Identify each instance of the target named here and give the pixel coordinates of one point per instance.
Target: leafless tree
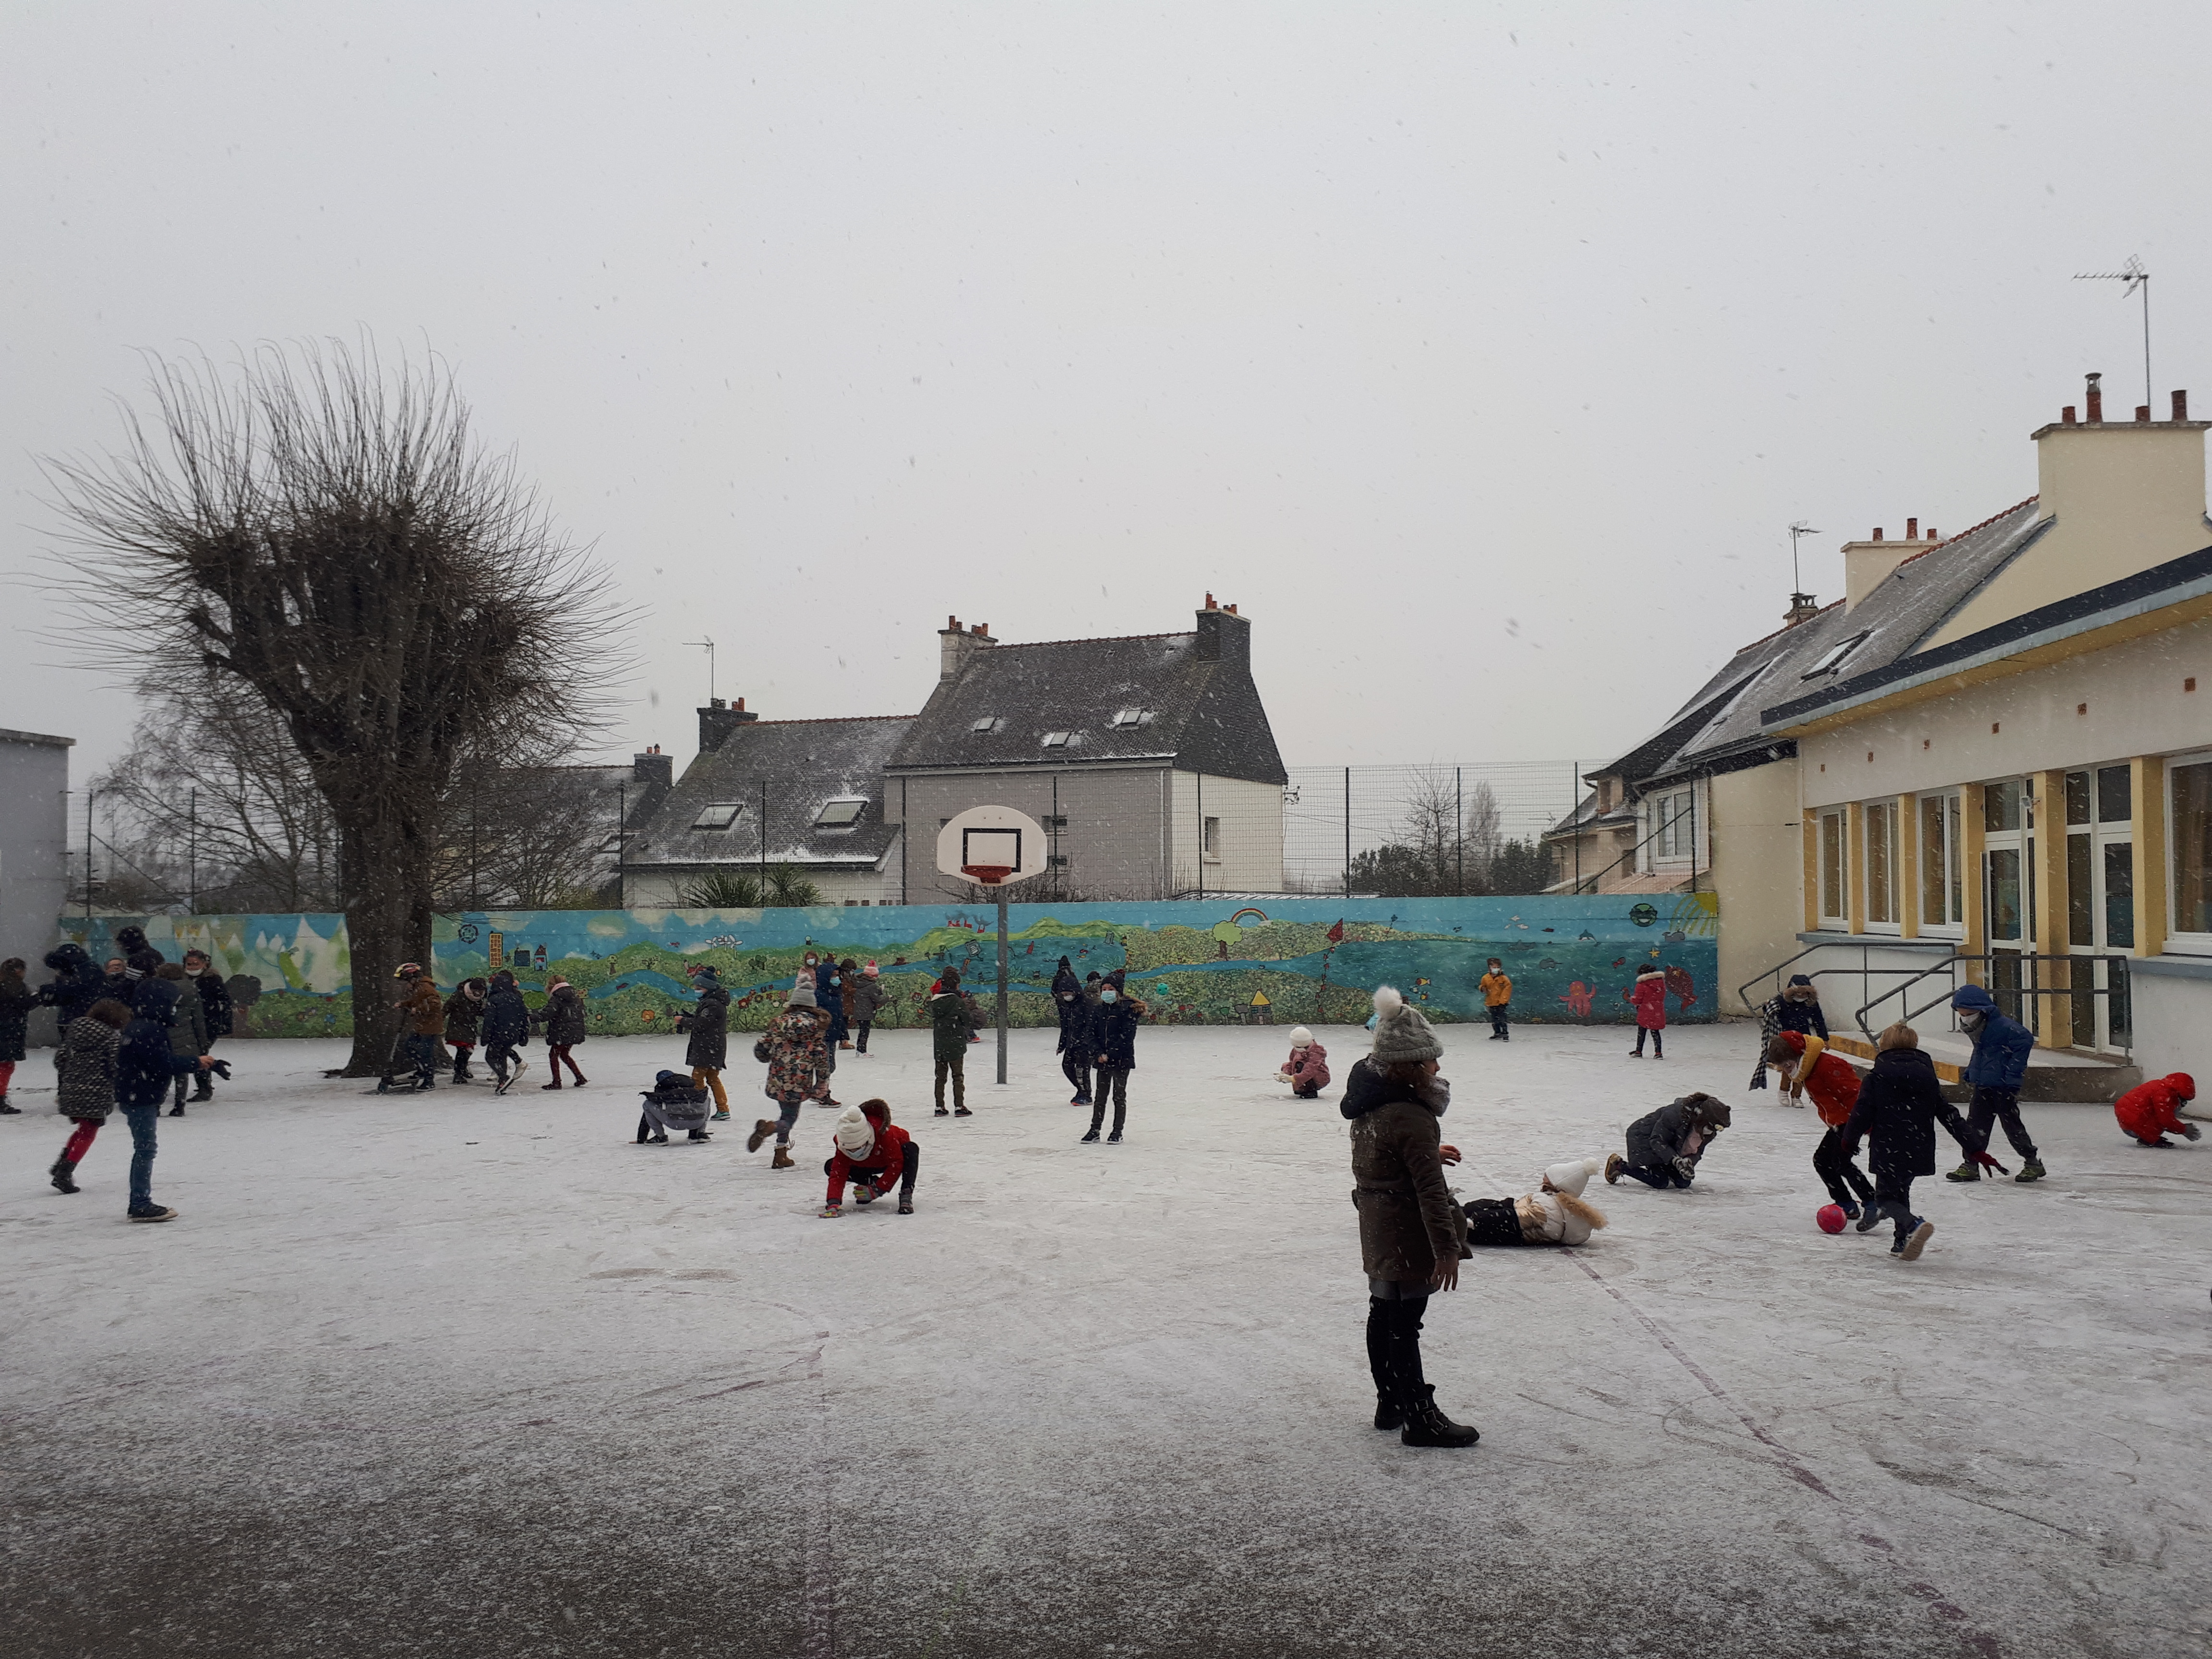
(1484, 825)
(329, 535)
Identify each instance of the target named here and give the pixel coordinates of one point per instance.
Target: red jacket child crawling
(2151, 1111)
(872, 1153)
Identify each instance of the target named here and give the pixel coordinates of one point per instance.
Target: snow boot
(1425, 1425)
(762, 1128)
(6, 1110)
(1909, 1245)
(1969, 1170)
(2031, 1170)
(906, 1205)
(1615, 1164)
(699, 1134)
(1850, 1209)
(783, 1159)
(656, 1141)
(1872, 1217)
(63, 1174)
(1387, 1414)
(176, 1111)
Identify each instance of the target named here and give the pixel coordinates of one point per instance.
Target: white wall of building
(1756, 842)
(1248, 854)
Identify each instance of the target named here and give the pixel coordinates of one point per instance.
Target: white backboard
(995, 836)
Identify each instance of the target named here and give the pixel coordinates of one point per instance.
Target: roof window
(1833, 657)
(1056, 739)
(1128, 717)
(989, 723)
(839, 814)
(719, 816)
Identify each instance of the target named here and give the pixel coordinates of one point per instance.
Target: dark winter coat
(562, 1017)
(1779, 1014)
(1407, 1221)
(506, 1017)
(145, 1064)
(85, 1068)
(865, 995)
(1658, 1139)
(188, 1032)
(709, 1047)
(830, 997)
(17, 1002)
(464, 1018)
(76, 985)
(1899, 1105)
(2000, 1047)
(1649, 994)
(1075, 1017)
(1114, 1033)
(951, 1024)
(215, 999)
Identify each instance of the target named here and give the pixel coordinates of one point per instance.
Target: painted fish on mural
(1684, 988)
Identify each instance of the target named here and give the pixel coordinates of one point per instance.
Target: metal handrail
(1950, 964)
(1865, 971)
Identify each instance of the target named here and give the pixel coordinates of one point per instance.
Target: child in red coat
(1649, 994)
(2151, 1111)
(1808, 1067)
(872, 1152)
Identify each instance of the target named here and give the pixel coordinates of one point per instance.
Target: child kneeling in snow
(1664, 1146)
(1307, 1069)
(1553, 1214)
(2151, 1111)
(872, 1153)
(674, 1103)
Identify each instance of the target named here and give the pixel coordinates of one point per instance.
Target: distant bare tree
(1484, 827)
(329, 536)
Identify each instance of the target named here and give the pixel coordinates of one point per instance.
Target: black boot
(1425, 1425)
(1098, 1117)
(6, 1110)
(1118, 1113)
(1389, 1414)
(63, 1173)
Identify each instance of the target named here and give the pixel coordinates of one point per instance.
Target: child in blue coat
(1998, 1068)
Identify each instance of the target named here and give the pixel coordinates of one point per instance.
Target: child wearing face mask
(1998, 1068)
(1114, 1053)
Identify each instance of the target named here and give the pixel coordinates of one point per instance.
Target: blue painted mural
(1310, 960)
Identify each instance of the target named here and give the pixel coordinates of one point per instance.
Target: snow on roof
(798, 767)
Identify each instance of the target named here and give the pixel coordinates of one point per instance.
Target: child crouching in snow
(1553, 1214)
(1307, 1069)
(1899, 1105)
(872, 1152)
(674, 1101)
(2151, 1111)
(1664, 1146)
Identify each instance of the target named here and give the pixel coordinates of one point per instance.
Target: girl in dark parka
(17, 1002)
(1899, 1105)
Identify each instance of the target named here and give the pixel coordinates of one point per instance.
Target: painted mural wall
(1314, 961)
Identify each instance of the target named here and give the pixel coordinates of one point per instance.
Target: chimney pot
(716, 702)
(1230, 609)
(1913, 530)
(952, 624)
(1932, 535)
(741, 705)
(2142, 413)
(2066, 416)
(2181, 405)
(1209, 606)
(2095, 400)
(1877, 532)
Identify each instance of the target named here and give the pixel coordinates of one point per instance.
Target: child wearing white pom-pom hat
(1553, 1214)
(1307, 1069)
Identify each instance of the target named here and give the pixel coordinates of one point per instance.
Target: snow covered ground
(456, 1375)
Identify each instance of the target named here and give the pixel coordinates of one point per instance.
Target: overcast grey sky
(1481, 354)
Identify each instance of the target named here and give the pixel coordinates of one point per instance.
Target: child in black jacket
(1899, 1105)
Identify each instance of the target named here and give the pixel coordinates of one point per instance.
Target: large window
(2191, 786)
(1835, 902)
(1942, 885)
(1881, 862)
(1675, 824)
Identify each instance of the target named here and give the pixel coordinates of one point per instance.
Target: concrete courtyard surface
(463, 1375)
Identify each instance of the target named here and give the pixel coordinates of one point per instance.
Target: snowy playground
(459, 1375)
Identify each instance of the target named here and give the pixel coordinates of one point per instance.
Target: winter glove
(1685, 1167)
(2191, 1132)
(222, 1069)
(830, 1210)
(760, 1051)
(1989, 1162)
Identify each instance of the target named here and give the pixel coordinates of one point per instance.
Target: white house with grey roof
(1990, 760)
(1147, 759)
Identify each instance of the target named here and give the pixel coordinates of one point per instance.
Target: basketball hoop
(987, 875)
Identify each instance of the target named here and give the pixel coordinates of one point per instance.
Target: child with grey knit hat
(1412, 1234)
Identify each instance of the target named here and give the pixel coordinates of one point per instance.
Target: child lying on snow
(1553, 1214)
(1307, 1069)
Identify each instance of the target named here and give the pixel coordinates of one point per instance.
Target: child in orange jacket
(1808, 1068)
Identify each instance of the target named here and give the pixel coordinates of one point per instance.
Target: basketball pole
(1002, 982)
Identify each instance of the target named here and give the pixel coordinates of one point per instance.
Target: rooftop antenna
(1796, 580)
(709, 644)
(2131, 275)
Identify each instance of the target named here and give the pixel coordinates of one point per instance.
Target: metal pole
(763, 842)
(1052, 841)
(621, 838)
(1348, 832)
(192, 858)
(1459, 826)
(1574, 816)
(89, 795)
(1201, 833)
(1002, 982)
(1694, 835)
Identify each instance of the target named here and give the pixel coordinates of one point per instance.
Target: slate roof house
(1989, 755)
(1148, 759)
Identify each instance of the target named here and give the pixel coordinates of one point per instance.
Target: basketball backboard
(992, 846)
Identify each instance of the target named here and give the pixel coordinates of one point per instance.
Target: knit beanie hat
(1400, 1032)
(870, 970)
(1301, 1038)
(802, 996)
(708, 972)
(1573, 1175)
(854, 1134)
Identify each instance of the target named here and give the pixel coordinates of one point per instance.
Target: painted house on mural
(1149, 761)
(1990, 760)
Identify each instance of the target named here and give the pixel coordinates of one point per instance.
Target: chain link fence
(1438, 829)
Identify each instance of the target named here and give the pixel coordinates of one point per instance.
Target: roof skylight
(719, 816)
(1056, 739)
(1833, 657)
(839, 814)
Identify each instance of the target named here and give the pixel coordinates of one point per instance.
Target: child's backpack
(674, 1103)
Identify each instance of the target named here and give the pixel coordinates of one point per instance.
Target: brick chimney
(1222, 635)
(957, 645)
(717, 721)
(1802, 609)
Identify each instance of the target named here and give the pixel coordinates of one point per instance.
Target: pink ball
(1830, 1218)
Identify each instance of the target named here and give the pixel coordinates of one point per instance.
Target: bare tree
(1484, 826)
(329, 535)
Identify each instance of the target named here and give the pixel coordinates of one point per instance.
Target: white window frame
(1886, 805)
(735, 809)
(1953, 830)
(2178, 941)
(1209, 839)
(858, 803)
(1841, 915)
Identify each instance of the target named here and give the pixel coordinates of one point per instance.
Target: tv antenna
(1797, 581)
(2131, 275)
(709, 644)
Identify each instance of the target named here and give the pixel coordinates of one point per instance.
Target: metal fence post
(1348, 832)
